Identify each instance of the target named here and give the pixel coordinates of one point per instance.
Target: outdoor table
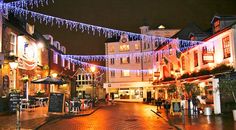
(42, 101)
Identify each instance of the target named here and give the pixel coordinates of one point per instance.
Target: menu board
(175, 108)
(14, 99)
(56, 103)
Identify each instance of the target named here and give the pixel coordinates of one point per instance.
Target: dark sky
(127, 15)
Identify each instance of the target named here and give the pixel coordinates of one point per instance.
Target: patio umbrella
(49, 80)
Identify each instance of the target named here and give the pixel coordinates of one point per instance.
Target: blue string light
(31, 3)
(107, 32)
(103, 68)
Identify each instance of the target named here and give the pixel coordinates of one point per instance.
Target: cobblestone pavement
(121, 116)
(30, 119)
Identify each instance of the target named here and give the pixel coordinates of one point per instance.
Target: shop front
(133, 92)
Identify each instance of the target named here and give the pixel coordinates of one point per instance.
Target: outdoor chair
(32, 104)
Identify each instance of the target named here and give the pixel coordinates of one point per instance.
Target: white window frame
(55, 57)
(13, 52)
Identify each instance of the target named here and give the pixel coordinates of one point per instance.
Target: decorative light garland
(118, 56)
(107, 32)
(26, 3)
(103, 68)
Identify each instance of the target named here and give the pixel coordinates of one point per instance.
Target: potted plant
(227, 88)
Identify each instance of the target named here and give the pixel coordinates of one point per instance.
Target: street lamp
(13, 66)
(93, 69)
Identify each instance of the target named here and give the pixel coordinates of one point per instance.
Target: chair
(32, 104)
(23, 104)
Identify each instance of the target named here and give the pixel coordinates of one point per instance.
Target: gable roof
(189, 29)
(224, 17)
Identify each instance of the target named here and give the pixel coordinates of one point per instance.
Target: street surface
(121, 116)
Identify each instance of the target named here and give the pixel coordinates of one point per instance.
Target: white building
(124, 76)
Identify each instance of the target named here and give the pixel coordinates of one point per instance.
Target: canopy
(49, 80)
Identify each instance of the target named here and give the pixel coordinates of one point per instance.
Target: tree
(191, 89)
(227, 87)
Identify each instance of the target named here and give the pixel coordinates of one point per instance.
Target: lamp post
(93, 69)
(13, 66)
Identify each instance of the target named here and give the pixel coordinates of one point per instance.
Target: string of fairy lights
(21, 8)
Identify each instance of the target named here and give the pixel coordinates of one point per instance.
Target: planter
(234, 114)
(208, 111)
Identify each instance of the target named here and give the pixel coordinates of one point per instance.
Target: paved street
(121, 116)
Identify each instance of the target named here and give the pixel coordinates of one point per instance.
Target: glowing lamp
(13, 65)
(93, 69)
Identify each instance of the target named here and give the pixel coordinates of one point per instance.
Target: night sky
(127, 15)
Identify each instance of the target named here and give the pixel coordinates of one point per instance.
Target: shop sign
(208, 58)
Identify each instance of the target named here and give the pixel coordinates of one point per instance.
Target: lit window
(62, 62)
(55, 57)
(113, 73)
(112, 61)
(138, 73)
(150, 71)
(208, 54)
(136, 46)
(170, 50)
(137, 59)
(124, 60)
(171, 67)
(68, 65)
(73, 67)
(13, 44)
(111, 48)
(226, 47)
(124, 47)
(125, 73)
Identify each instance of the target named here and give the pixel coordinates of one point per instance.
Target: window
(68, 64)
(62, 62)
(138, 73)
(137, 59)
(208, 54)
(112, 61)
(146, 59)
(111, 48)
(125, 73)
(195, 53)
(170, 50)
(171, 67)
(150, 72)
(148, 45)
(124, 60)
(216, 25)
(124, 47)
(113, 74)
(73, 66)
(55, 57)
(12, 44)
(136, 46)
(183, 63)
(226, 47)
(157, 56)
